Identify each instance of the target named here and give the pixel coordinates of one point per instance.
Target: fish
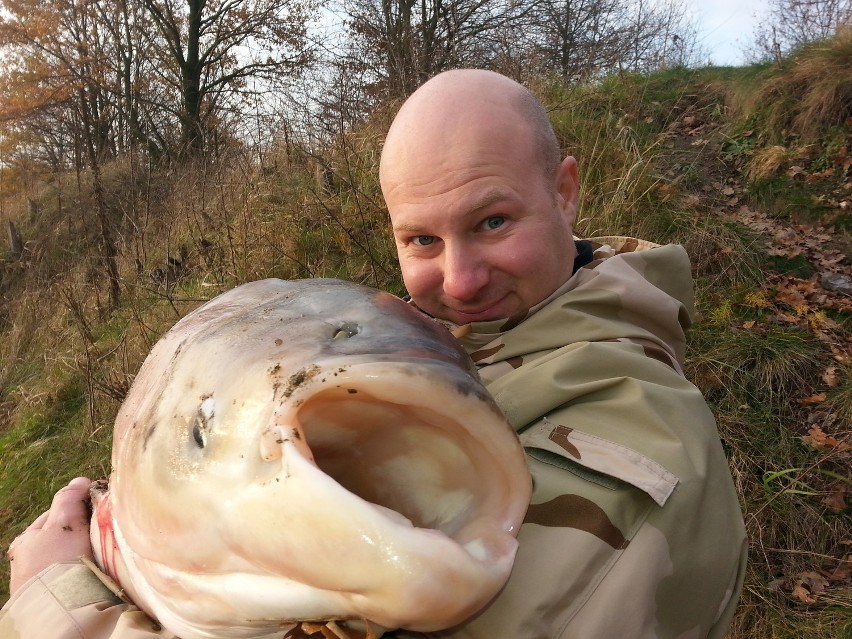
(309, 451)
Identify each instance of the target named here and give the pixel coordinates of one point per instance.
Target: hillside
(750, 169)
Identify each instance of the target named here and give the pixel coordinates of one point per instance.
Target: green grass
(49, 444)
(782, 197)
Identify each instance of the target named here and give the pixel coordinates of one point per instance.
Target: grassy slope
(677, 164)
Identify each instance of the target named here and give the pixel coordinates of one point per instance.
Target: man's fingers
(69, 505)
(59, 535)
(36, 525)
(39, 522)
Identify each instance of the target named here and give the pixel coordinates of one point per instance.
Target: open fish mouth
(376, 438)
(309, 451)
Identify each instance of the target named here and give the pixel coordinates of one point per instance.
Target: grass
(809, 94)
(65, 363)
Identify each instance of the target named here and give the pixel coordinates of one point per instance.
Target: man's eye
(494, 222)
(424, 240)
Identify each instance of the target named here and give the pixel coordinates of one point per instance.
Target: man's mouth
(482, 313)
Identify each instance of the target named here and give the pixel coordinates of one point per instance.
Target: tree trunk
(109, 252)
(193, 132)
(16, 245)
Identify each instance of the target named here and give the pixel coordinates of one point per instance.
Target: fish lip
(361, 372)
(389, 382)
(478, 534)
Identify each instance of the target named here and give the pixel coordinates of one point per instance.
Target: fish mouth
(390, 481)
(406, 438)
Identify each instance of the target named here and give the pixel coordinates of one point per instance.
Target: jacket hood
(633, 290)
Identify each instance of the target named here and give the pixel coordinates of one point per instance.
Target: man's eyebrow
(491, 197)
(406, 228)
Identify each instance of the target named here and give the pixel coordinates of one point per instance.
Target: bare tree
(789, 24)
(404, 42)
(580, 39)
(208, 49)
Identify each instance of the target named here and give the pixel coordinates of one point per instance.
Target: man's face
(481, 232)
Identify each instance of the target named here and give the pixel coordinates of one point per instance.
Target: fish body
(309, 450)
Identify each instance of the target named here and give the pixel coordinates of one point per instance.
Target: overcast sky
(725, 26)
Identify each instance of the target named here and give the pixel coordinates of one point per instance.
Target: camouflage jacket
(68, 601)
(634, 528)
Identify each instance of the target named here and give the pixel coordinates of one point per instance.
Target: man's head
(482, 208)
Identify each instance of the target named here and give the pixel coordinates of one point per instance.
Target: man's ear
(568, 188)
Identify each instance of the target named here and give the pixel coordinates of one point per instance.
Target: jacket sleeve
(67, 601)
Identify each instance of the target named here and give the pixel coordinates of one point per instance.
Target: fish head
(310, 450)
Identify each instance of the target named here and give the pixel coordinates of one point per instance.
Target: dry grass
(617, 176)
(767, 161)
(810, 94)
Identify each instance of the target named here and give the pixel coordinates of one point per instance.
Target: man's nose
(465, 273)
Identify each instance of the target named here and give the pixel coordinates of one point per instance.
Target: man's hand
(60, 534)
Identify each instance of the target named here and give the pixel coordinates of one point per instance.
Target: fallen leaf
(817, 438)
(830, 377)
(802, 594)
(776, 584)
(692, 201)
(749, 324)
(843, 358)
(807, 585)
(816, 177)
(790, 251)
(813, 399)
(842, 572)
(836, 501)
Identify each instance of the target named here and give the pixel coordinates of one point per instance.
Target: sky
(725, 27)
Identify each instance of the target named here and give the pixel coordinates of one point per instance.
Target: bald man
(634, 529)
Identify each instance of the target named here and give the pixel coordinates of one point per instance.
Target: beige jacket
(634, 529)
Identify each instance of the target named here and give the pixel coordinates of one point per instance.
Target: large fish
(309, 450)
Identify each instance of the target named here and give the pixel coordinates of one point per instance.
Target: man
(634, 528)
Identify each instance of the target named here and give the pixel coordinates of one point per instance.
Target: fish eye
(203, 420)
(199, 433)
(346, 330)
(424, 240)
(494, 222)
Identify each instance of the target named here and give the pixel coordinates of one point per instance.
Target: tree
(581, 39)
(789, 24)
(208, 49)
(405, 42)
(53, 55)
(56, 51)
